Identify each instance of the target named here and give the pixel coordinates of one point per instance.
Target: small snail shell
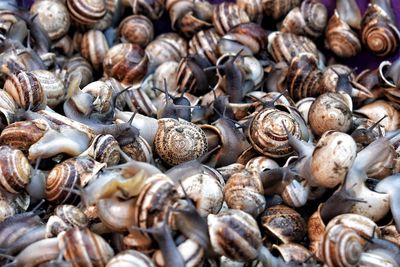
(116, 87)
(285, 46)
(53, 17)
(309, 19)
(104, 149)
(226, 16)
(138, 100)
(315, 231)
(284, 223)
(151, 9)
(244, 191)
(378, 31)
(340, 38)
(86, 12)
(52, 86)
(83, 247)
(179, 141)
(129, 258)
(191, 78)
(296, 193)
(330, 111)
(136, 29)
(377, 109)
(81, 65)
(126, 62)
(341, 246)
(26, 90)
(11, 204)
(65, 218)
(204, 44)
(94, 47)
(234, 234)
(278, 8)
(110, 16)
(15, 169)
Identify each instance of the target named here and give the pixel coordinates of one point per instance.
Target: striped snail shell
(309, 19)
(204, 44)
(378, 31)
(53, 17)
(52, 86)
(85, 248)
(227, 15)
(86, 12)
(277, 9)
(138, 100)
(115, 213)
(26, 90)
(65, 217)
(151, 9)
(285, 46)
(126, 62)
(234, 234)
(136, 29)
(191, 78)
(253, 8)
(105, 149)
(129, 258)
(179, 141)
(341, 246)
(15, 169)
(94, 47)
(7, 102)
(267, 134)
(377, 109)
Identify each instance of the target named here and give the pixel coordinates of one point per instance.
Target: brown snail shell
(53, 17)
(340, 38)
(253, 8)
(330, 111)
(179, 141)
(138, 100)
(303, 106)
(151, 9)
(139, 150)
(126, 62)
(226, 16)
(136, 29)
(52, 86)
(105, 149)
(378, 31)
(131, 258)
(86, 12)
(204, 44)
(284, 223)
(15, 169)
(94, 48)
(277, 8)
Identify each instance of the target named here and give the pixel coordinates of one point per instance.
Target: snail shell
(226, 16)
(126, 62)
(303, 106)
(234, 234)
(52, 86)
(129, 258)
(115, 213)
(139, 150)
(362, 225)
(377, 109)
(15, 169)
(292, 252)
(378, 31)
(204, 44)
(102, 95)
(7, 19)
(330, 111)
(151, 9)
(86, 12)
(253, 8)
(179, 141)
(136, 29)
(244, 191)
(278, 8)
(7, 102)
(105, 149)
(340, 38)
(94, 47)
(53, 17)
(81, 65)
(26, 90)
(65, 217)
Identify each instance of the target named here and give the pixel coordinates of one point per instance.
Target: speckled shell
(94, 48)
(129, 258)
(126, 62)
(26, 90)
(136, 29)
(204, 44)
(278, 8)
(15, 170)
(244, 191)
(227, 15)
(330, 111)
(333, 155)
(284, 223)
(53, 17)
(267, 134)
(85, 248)
(179, 141)
(234, 234)
(86, 12)
(52, 86)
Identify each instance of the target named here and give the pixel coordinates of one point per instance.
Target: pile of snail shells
(218, 143)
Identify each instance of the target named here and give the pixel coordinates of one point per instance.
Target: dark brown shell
(204, 44)
(136, 29)
(86, 12)
(227, 15)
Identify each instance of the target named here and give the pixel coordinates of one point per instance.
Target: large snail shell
(15, 169)
(94, 47)
(130, 258)
(267, 134)
(332, 157)
(378, 31)
(53, 17)
(85, 248)
(86, 12)
(234, 234)
(179, 141)
(330, 111)
(362, 225)
(227, 15)
(52, 86)
(340, 38)
(136, 29)
(126, 62)
(278, 8)
(204, 44)
(26, 90)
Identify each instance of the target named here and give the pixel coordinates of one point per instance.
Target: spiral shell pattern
(179, 141)
(105, 149)
(86, 12)
(204, 44)
(15, 170)
(226, 16)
